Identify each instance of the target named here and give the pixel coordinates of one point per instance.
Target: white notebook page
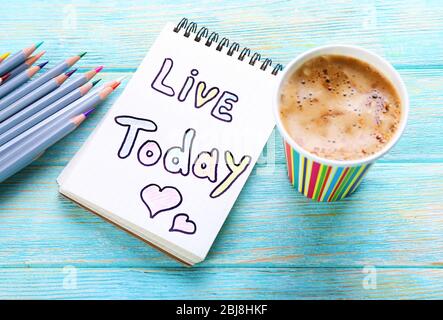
(173, 153)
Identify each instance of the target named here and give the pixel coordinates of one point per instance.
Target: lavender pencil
(17, 58)
(22, 155)
(32, 96)
(46, 112)
(76, 107)
(45, 101)
(34, 84)
(24, 66)
(20, 79)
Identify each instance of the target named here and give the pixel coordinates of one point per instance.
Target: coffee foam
(339, 108)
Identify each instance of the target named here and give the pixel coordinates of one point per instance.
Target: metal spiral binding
(203, 32)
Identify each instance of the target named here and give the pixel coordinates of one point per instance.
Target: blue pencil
(45, 100)
(24, 66)
(34, 84)
(22, 155)
(17, 58)
(20, 79)
(32, 96)
(45, 113)
(77, 107)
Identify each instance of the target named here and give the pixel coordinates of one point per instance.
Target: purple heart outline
(183, 224)
(158, 199)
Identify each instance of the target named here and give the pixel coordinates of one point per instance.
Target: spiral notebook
(171, 156)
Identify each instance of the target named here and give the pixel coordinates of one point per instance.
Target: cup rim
(388, 71)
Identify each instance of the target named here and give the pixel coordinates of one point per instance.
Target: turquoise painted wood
(386, 241)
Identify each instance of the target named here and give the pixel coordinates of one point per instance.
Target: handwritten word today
(177, 159)
(222, 108)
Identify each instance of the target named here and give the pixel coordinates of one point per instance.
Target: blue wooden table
(386, 241)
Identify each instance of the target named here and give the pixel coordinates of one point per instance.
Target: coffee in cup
(339, 107)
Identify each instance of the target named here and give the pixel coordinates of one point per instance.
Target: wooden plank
(274, 240)
(221, 283)
(407, 33)
(394, 220)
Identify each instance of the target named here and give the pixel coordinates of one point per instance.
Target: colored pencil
(24, 66)
(89, 103)
(44, 113)
(17, 58)
(111, 83)
(17, 81)
(46, 100)
(34, 84)
(32, 96)
(74, 108)
(24, 154)
(4, 56)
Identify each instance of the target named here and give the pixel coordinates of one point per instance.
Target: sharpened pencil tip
(77, 120)
(115, 85)
(95, 82)
(70, 73)
(81, 55)
(4, 56)
(42, 65)
(98, 69)
(39, 44)
(87, 113)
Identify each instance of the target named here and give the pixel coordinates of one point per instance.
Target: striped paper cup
(331, 180)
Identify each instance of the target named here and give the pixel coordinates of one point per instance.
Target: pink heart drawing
(159, 199)
(183, 224)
